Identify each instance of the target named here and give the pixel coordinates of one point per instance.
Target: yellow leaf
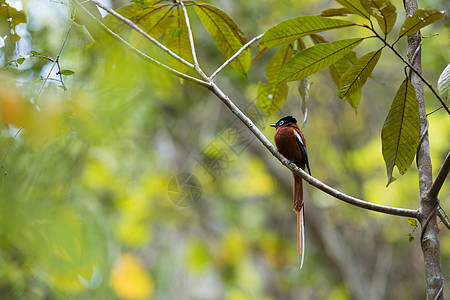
(130, 280)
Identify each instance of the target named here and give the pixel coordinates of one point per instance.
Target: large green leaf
(401, 131)
(355, 77)
(355, 7)
(177, 40)
(334, 12)
(383, 11)
(420, 19)
(274, 66)
(271, 97)
(338, 68)
(9, 19)
(303, 89)
(354, 100)
(315, 58)
(444, 83)
(82, 17)
(228, 37)
(292, 29)
(152, 20)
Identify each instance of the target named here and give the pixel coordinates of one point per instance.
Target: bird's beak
(273, 125)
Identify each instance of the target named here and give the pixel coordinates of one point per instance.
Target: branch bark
(440, 178)
(311, 180)
(428, 205)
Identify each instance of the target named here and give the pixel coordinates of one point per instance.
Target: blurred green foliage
(85, 211)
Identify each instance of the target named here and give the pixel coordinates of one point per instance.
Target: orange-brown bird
(290, 141)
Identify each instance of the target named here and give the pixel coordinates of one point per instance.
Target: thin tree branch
(443, 216)
(191, 41)
(143, 55)
(235, 110)
(55, 62)
(233, 57)
(145, 34)
(313, 181)
(440, 178)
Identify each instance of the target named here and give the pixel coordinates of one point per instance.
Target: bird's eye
(281, 123)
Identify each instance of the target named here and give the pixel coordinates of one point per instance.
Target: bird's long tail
(298, 209)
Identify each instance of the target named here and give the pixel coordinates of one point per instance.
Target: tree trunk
(428, 205)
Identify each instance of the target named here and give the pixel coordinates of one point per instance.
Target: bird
(291, 142)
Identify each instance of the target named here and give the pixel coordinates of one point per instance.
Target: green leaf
(383, 11)
(420, 19)
(410, 237)
(228, 37)
(355, 7)
(11, 16)
(401, 131)
(20, 60)
(444, 83)
(354, 100)
(9, 19)
(341, 66)
(154, 20)
(315, 58)
(177, 40)
(300, 45)
(295, 28)
(66, 72)
(334, 12)
(355, 77)
(39, 79)
(34, 52)
(412, 221)
(177, 32)
(271, 97)
(303, 89)
(83, 17)
(338, 69)
(274, 66)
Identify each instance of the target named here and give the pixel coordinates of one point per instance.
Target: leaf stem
(311, 180)
(145, 56)
(410, 67)
(145, 34)
(191, 41)
(233, 57)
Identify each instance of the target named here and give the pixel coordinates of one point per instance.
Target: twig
(443, 216)
(233, 57)
(191, 41)
(145, 56)
(411, 68)
(145, 34)
(9, 147)
(55, 62)
(313, 181)
(440, 178)
(235, 110)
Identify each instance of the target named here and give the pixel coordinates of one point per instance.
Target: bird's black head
(284, 121)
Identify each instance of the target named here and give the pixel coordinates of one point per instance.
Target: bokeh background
(134, 185)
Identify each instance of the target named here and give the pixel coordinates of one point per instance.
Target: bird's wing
(302, 147)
